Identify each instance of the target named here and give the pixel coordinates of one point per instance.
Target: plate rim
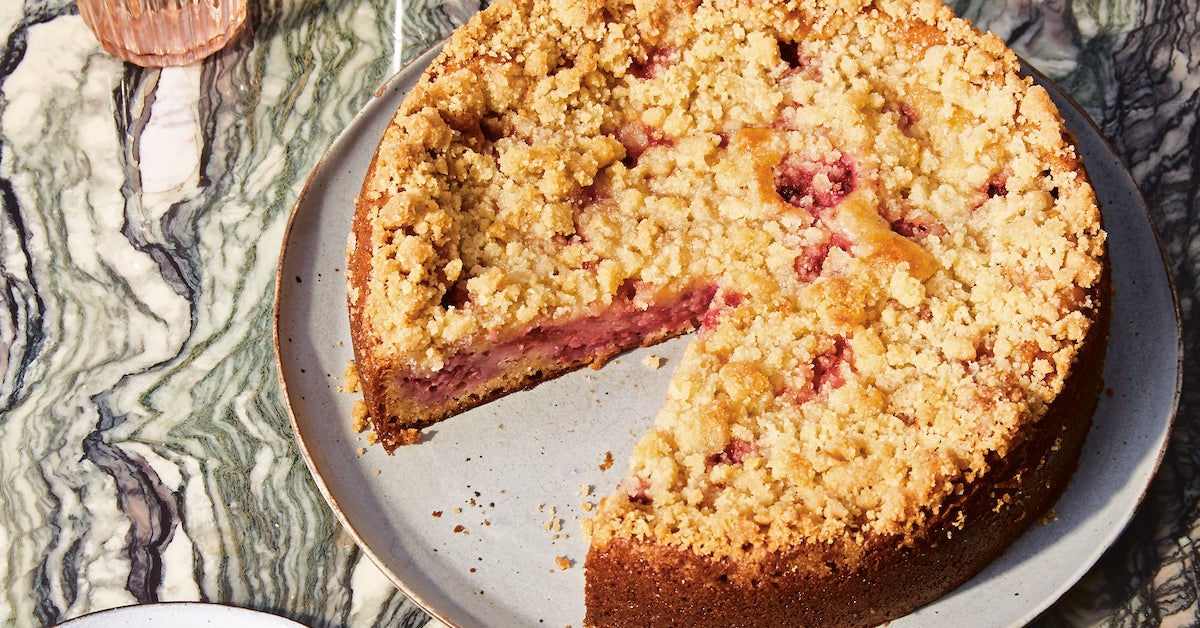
(391, 84)
(1060, 97)
(412, 72)
(136, 611)
(1058, 94)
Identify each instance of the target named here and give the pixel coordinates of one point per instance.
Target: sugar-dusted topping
(903, 241)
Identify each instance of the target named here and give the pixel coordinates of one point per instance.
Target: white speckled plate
(179, 615)
(473, 522)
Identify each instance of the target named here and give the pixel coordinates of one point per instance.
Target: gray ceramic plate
(473, 522)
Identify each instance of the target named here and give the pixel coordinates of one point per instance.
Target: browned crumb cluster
(350, 383)
(358, 411)
(654, 362)
(554, 524)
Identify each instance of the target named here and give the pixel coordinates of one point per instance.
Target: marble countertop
(145, 449)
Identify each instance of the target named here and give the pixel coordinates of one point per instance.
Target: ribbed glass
(158, 33)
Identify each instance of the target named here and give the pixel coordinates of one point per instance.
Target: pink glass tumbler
(157, 33)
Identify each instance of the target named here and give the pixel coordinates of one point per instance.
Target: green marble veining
(148, 455)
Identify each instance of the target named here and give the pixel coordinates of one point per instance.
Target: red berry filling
(828, 371)
(810, 263)
(814, 185)
(635, 292)
(719, 305)
(735, 452)
(655, 62)
(637, 138)
(456, 296)
(907, 114)
(797, 62)
(912, 224)
(789, 51)
(636, 487)
(586, 201)
(997, 186)
(918, 229)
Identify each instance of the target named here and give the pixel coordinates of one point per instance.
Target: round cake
(878, 228)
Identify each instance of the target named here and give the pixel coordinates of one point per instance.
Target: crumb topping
(902, 240)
